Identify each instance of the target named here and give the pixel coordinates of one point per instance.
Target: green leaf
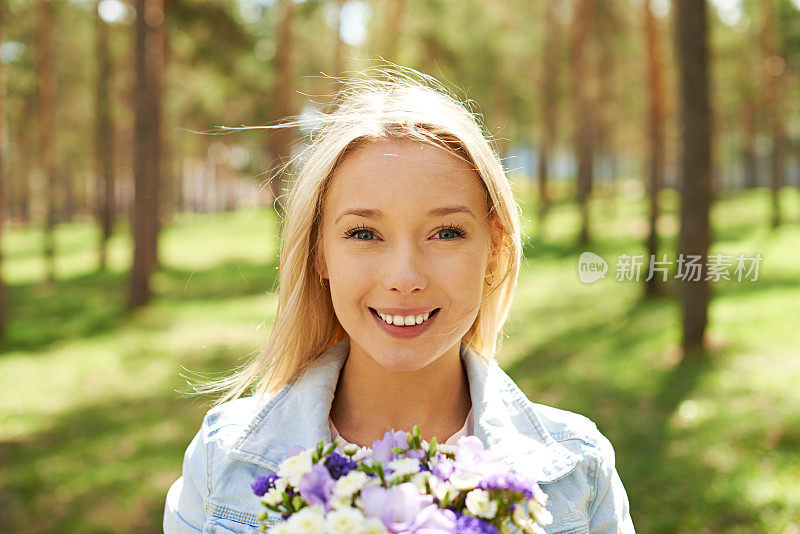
(297, 503)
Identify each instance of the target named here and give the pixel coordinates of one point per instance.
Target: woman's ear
(496, 233)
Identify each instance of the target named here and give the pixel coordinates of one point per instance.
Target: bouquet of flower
(400, 485)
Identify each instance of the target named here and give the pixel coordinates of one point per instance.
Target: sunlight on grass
(91, 408)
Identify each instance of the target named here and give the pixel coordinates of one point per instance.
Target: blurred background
(139, 242)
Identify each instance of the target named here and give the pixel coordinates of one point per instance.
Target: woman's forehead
(404, 174)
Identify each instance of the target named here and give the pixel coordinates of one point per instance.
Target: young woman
(399, 259)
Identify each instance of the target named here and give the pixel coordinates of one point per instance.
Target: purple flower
(316, 486)
(382, 449)
(510, 481)
(339, 465)
(444, 467)
(466, 524)
(472, 458)
(263, 484)
(404, 511)
(294, 450)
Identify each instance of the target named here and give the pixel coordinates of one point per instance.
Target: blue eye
(450, 230)
(455, 230)
(358, 231)
(365, 233)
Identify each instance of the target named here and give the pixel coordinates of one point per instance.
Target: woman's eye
(449, 233)
(363, 233)
(360, 234)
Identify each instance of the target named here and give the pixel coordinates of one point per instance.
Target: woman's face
(405, 233)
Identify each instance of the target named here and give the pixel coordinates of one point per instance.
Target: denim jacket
(242, 439)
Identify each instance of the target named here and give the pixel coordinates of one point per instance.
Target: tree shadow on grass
(78, 307)
(667, 479)
(103, 468)
(93, 304)
(230, 279)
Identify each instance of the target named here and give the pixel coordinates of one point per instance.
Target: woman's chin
(401, 361)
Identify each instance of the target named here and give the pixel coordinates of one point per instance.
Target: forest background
(139, 241)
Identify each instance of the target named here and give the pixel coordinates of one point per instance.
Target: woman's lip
(404, 332)
(408, 311)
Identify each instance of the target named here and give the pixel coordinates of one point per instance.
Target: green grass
(92, 431)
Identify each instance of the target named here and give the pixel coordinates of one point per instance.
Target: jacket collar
(503, 418)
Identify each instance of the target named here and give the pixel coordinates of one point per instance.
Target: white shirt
(465, 430)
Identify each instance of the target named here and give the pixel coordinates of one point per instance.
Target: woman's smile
(404, 326)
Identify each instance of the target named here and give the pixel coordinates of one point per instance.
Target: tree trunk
(166, 174)
(68, 191)
(104, 141)
(549, 103)
(774, 67)
(19, 198)
(749, 162)
(2, 174)
(604, 118)
(46, 104)
(695, 232)
(280, 139)
(393, 26)
(656, 96)
(584, 119)
(147, 145)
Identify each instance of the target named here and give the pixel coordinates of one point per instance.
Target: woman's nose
(404, 269)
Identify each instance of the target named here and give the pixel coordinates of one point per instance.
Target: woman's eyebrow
(436, 212)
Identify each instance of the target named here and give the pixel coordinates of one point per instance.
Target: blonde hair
(396, 104)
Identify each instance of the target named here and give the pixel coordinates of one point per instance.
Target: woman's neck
(370, 400)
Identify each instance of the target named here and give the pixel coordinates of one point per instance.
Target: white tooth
(410, 320)
(425, 316)
(418, 319)
(397, 320)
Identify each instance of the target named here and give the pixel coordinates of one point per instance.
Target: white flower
(361, 454)
(309, 520)
(445, 449)
(445, 489)
(538, 495)
(464, 481)
(352, 482)
(434, 482)
(539, 513)
(296, 466)
(419, 480)
(479, 503)
(519, 516)
(280, 528)
(337, 503)
(403, 467)
(373, 525)
(274, 496)
(344, 521)
(533, 528)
